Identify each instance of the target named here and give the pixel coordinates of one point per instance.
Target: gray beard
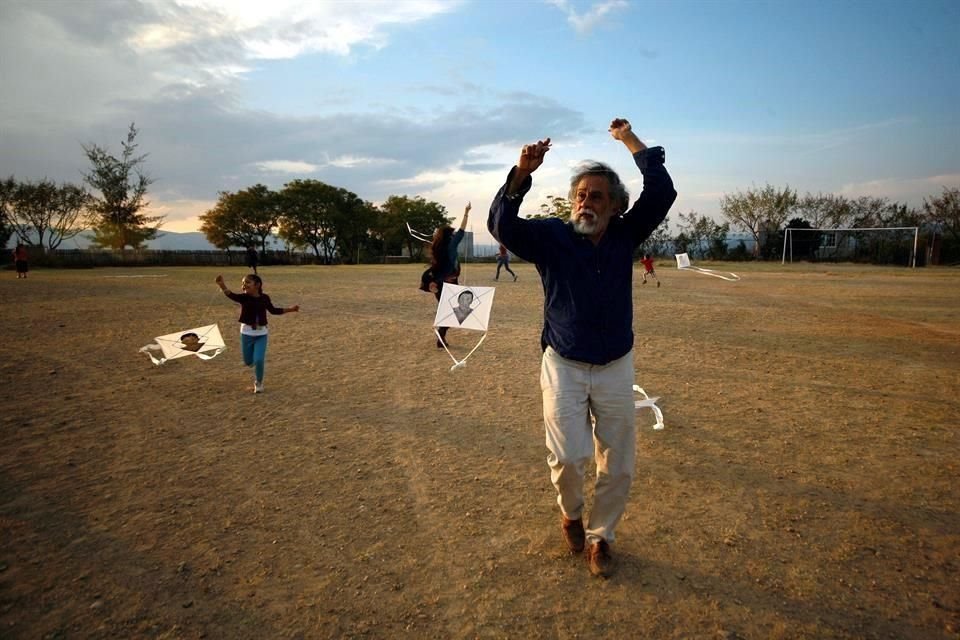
(585, 227)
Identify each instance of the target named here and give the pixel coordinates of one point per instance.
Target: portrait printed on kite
(190, 341)
(204, 342)
(464, 307)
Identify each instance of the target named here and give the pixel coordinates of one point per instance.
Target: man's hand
(621, 130)
(531, 156)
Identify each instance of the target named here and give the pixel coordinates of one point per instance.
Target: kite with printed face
(683, 263)
(463, 307)
(205, 343)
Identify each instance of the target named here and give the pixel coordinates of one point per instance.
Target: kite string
(730, 277)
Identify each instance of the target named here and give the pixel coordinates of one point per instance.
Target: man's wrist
(518, 177)
(650, 157)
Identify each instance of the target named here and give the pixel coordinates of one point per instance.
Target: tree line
(332, 222)
(337, 225)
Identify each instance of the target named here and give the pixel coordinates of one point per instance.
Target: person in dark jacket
(253, 258)
(254, 305)
(444, 263)
(587, 372)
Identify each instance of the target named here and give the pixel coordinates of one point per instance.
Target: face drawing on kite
(191, 342)
(205, 343)
(462, 310)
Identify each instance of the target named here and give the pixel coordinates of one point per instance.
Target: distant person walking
(503, 260)
(647, 263)
(252, 258)
(254, 305)
(20, 259)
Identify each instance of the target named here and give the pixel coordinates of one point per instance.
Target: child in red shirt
(647, 263)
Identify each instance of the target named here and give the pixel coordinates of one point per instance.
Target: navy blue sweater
(588, 289)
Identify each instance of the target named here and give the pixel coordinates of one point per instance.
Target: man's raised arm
(621, 130)
(531, 157)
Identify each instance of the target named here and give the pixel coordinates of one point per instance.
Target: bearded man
(587, 372)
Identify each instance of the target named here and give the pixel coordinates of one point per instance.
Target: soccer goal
(876, 245)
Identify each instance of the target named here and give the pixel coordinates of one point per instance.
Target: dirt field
(805, 485)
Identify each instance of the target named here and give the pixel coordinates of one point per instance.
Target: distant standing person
(20, 258)
(254, 305)
(647, 263)
(444, 263)
(503, 260)
(252, 258)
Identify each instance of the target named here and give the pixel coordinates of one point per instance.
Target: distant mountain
(188, 241)
(165, 241)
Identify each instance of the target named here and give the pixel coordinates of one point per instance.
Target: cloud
(176, 69)
(287, 28)
(285, 166)
(349, 161)
(908, 190)
(586, 21)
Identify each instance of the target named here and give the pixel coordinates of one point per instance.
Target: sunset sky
(435, 98)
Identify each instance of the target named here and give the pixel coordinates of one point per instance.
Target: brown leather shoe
(573, 533)
(600, 560)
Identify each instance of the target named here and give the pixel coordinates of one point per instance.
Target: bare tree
(760, 212)
(44, 214)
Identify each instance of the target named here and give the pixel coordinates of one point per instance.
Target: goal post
(834, 238)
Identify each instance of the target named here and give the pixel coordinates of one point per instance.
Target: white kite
(683, 263)
(647, 401)
(204, 342)
(418, 235)
(463, 307)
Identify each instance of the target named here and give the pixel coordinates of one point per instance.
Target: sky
(435, 98)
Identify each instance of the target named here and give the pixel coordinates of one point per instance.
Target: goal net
(872, 245)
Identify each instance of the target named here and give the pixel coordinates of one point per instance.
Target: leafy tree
(659, 241)
(6, 224)
(803, 245)
(868, 211)
(554, 207)
(242, 219)
(943, 213)
(739, 252)
(399, 211)
(308, 209)
(44, 211)
(760, 212)
(122, 186)
(705, 238)
(326, 218)
(824, 211)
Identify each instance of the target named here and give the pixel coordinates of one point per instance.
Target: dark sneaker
(573, 533)
(600, 560)
(658, 284)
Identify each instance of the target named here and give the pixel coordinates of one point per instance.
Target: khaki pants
(572, 391)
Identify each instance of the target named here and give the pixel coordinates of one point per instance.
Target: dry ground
(804, 487)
